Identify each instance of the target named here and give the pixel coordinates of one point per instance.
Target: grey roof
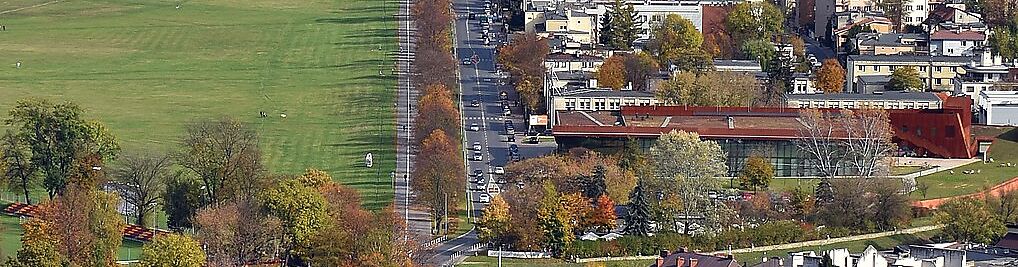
(889, 39)
(604, 93)
(887, 95)
(554, 16)
(874, 79)
(909, 58)
(578, 14)
(735, 63)
(574, 75)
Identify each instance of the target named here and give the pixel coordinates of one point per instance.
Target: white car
(482, 186)
(476, 146)
(477, 156)
(499, 170)
(484, 198)
(474, 127)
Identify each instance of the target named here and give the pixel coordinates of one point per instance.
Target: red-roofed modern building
(956, 43)
(769, 132)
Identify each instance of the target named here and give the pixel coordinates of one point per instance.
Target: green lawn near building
(946, 184)
(146, 68)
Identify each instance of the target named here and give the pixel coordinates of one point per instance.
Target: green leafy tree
(1004, 41)
(16, 162)
(905, 79)
(301, 209)
(756, 174)
(969, 220)
(554, 220)
(625, 26)
(754, 20)
(57, 136)
(686, 168)
(639, 216)
(760, 50)
(675, 40)
(172, 250)
(605, 34)
(683, 153)
(594, 185)
(181, 201)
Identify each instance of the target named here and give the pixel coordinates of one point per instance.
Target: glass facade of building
(788, 160)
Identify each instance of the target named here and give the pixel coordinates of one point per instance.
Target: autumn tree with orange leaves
(438, 175)
(524, 59)
(831, 77)
(436, 111)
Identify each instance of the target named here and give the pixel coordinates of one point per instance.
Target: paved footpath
(406, 99)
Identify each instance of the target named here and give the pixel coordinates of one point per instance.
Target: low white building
(998, 108)
(956, 43)
(803, 83)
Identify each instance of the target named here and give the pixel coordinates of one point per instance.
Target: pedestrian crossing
(498, 119)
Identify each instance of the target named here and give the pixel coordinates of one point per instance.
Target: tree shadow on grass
(353, 20)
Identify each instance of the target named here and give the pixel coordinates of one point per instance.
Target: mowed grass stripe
(147, 69)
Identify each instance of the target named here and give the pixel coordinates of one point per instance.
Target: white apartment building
(982, 75)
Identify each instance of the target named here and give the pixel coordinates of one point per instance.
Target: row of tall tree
(434, 63)
(437, 177)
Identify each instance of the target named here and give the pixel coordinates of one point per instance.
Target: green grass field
(945, 184)
(146, 68)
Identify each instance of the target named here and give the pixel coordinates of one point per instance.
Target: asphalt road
(479, 81)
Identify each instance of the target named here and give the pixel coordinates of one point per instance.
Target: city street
(479, 82)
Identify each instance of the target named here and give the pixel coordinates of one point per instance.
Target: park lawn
(10, 240)
(857, 246)
(945, 184)
(493, 261)
(146, 68)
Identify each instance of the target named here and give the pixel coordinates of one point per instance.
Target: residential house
(571, 26)
(682, 258)
(936, 72)
(987, 74)
(910, 256)
(845, 21)
(954, 17)
(956, 43)
(881, 100)
(890, 43)
(568, 62)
